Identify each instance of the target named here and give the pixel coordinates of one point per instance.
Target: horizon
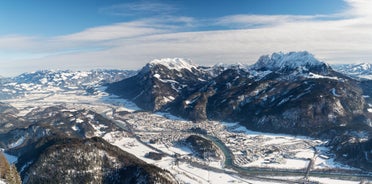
(81, 35)
(192, 63)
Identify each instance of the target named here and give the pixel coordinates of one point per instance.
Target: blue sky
(53, 18)
(88, 34)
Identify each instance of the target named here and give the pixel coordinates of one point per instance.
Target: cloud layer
(341, 38)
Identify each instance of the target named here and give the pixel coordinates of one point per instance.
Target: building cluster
(245, 147)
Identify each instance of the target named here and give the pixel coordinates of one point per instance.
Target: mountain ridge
(272, 85)
(309, 99)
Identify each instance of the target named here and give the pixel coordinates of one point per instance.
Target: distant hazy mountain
(361, 70)
(59, 80)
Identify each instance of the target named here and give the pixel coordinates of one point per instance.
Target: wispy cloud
(249, 21)
(129, 30)
(116, 31)
(139, 8)
(343, 37)
(245, 21)
(359, 8)
(10, 42)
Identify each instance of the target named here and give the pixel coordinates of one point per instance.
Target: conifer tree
(8, 172)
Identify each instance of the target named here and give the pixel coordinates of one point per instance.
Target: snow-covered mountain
(68, 78)
(361, 70)
(288, 93)
(174, 64)
(282, 93)
(218, 68)
(54, 81)
(292, 93)
(160, 83)
(303, 61)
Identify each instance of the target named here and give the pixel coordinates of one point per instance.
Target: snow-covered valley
(144, 132)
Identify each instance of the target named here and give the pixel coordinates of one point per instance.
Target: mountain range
(282, 93)
(291, 93)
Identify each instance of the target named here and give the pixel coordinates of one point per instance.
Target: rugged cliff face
(69, 160)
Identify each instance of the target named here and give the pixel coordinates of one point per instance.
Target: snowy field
(248, 147)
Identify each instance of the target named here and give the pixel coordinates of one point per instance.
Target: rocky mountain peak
(290, 61)
(365, 66)
(173, 63)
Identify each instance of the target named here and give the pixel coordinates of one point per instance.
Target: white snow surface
(365, 66)
(174, 63)
(317, 76)
(291, 60)
(17, 143)
(359, 70)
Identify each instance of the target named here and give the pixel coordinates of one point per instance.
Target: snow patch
(168, 99)
(79, 120)
(17, 143)
(75, 128)
(157, 76)
(317, 76)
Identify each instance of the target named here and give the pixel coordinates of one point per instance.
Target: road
(280, 172)
(246, 172)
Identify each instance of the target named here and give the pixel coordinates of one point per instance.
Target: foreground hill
(58, 145)
(8, 173)
(68, 160)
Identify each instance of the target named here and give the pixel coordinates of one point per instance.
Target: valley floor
(144, 132)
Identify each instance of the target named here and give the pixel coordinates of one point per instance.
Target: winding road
(256, 173)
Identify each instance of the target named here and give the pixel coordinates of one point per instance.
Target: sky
(126, 34)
